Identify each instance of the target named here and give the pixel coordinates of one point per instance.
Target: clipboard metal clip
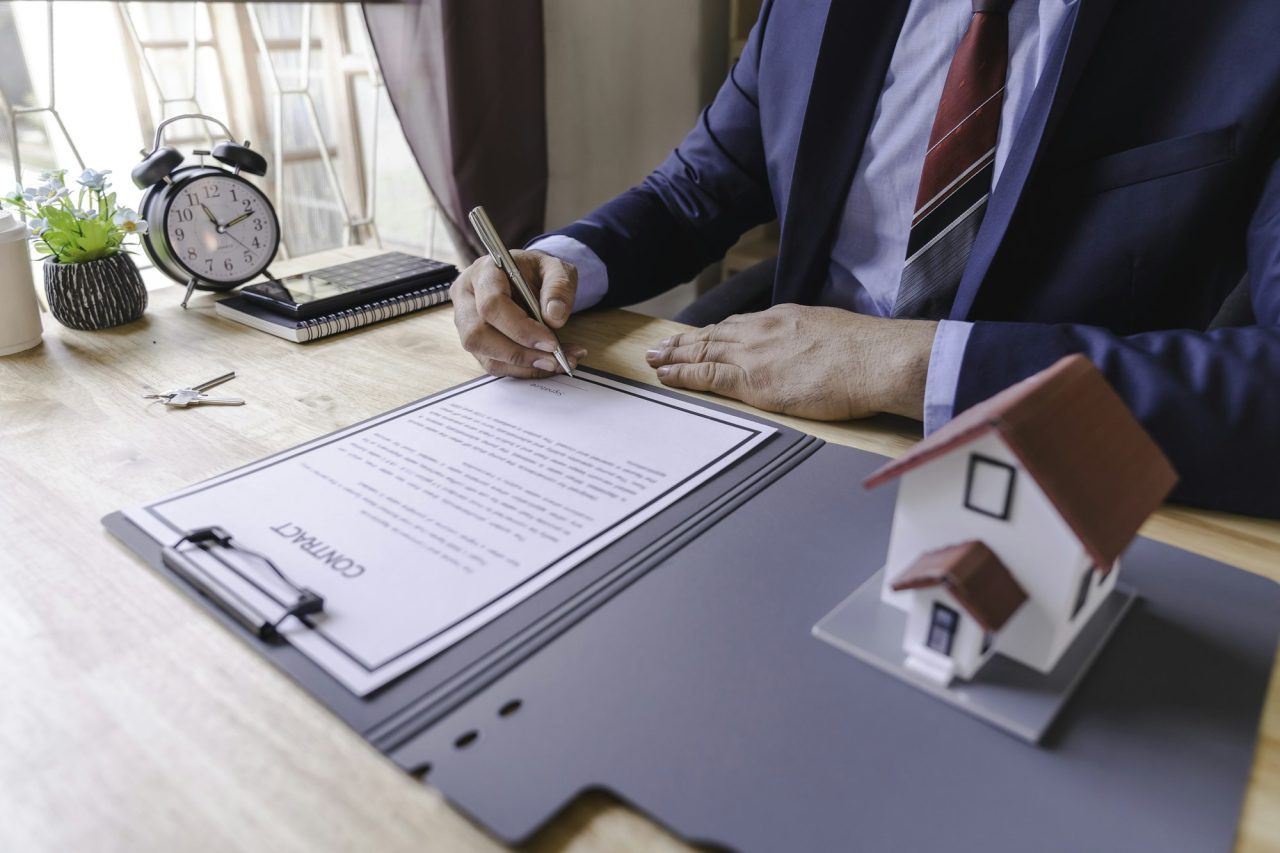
(308, 602)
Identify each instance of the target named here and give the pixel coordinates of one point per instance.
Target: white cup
(19, 313)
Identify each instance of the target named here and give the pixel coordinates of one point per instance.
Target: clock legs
(191, 286)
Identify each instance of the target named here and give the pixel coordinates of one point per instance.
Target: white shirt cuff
(593, 278)
(944, 373)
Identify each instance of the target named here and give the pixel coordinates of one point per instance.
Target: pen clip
(488, 236)
(502, 258)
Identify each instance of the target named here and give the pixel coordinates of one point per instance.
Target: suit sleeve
(1210, 399)
(692, 208)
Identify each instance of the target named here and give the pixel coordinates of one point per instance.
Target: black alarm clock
(208, 227)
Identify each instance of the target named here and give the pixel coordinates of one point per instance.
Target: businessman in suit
(968, 191)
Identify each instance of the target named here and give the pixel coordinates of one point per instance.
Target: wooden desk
(131, 721)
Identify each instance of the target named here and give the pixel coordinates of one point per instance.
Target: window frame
(1083, 590)
(951, 634)
(974, 459)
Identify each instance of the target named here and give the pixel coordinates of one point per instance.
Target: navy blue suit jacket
(1138, 192)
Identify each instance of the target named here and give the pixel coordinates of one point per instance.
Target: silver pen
(502, 260)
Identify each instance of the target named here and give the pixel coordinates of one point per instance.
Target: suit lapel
(853, 58)
(1043, 113)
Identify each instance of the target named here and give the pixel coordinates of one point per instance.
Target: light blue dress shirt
(871, 244)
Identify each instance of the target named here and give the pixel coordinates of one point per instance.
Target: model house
(1011, 519)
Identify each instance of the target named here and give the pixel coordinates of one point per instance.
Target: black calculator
(350, 285)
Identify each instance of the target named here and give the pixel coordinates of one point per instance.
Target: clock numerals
(220, 228)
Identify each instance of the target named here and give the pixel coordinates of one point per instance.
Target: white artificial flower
(91, 179)
(37, 226)
(129, 222)
(54, 176)
(46, 193)
(85, 214)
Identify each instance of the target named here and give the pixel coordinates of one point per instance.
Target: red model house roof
(1078, 440)
(974, 575)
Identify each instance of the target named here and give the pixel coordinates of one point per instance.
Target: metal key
(195, 396)
(185, 397)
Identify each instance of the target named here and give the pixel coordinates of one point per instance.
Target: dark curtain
(466, 80)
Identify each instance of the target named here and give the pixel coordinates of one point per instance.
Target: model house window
(942, 628)
(1083, 595)
(989, 486)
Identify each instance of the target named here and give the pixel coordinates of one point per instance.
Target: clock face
(221, 228)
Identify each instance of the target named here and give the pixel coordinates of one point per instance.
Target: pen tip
(563, 362)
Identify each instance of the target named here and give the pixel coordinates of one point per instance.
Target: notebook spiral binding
(374, 312)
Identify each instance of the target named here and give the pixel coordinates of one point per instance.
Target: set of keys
(182, 398)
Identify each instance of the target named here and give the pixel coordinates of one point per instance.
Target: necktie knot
(992, 7)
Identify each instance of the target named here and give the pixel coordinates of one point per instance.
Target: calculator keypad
(379, 270)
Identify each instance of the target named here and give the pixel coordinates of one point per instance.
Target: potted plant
(90, 280)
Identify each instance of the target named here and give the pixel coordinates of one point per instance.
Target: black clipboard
(676, 669)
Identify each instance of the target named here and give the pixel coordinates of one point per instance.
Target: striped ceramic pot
(95, 294)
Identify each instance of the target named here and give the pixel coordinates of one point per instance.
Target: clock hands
(220, 227)
(241, 218)
(234, 237)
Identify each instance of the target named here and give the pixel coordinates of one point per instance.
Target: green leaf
(93, 241)
(59, 219)
(56, 245)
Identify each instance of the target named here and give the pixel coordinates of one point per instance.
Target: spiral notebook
(244, 310)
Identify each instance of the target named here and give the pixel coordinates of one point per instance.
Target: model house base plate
(1004, 693)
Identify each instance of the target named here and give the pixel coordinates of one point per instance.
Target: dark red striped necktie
(958, 166)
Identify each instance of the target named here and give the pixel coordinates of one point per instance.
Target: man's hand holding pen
(498, 331)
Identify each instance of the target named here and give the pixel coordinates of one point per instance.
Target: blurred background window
(297, 79)
(624, 81)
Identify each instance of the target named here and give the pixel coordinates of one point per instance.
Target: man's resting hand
(820, 363)
(494, 326)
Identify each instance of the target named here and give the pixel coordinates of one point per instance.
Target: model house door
(942, 628)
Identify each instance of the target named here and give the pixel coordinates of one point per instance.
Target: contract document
(421, 525)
